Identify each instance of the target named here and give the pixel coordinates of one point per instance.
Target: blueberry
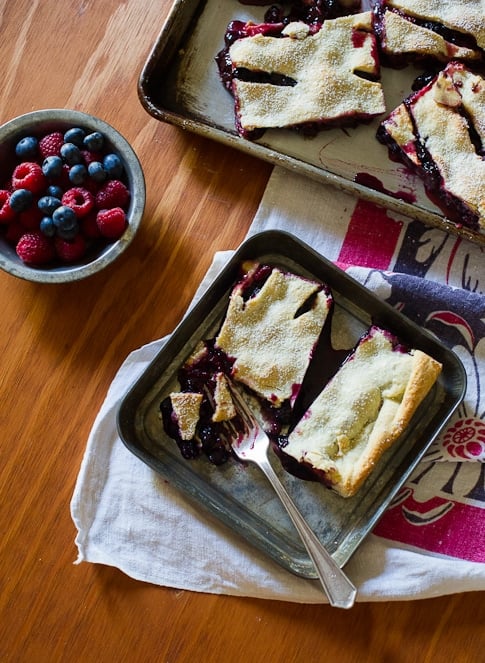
(94, 141)
(68, 233)
(96, 171)
(75, 135)
(77, 174)
(64, 218)
(55, 191)
(52, 167)
(113, 166)
(47, 226)
(21, 199)
(27, 147)
(71, 154)
(47, 204)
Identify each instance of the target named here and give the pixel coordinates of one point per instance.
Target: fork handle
(338, 588)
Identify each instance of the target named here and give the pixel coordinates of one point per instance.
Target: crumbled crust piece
(224, 406)
(186, 408)
(296, 30)
(271, 337)
(364, 408)
(325, 67)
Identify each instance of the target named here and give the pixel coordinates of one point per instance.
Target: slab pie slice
(444, 30)
(304, 78)
(362, 411)
(271, 327)
(273, 322)
(439, 131)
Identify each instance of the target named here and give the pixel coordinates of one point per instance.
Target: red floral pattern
(465, 440)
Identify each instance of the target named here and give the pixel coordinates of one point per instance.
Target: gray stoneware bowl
(38, 123)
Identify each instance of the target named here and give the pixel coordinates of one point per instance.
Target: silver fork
(253, 445)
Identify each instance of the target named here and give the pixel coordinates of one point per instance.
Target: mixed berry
(65, 193)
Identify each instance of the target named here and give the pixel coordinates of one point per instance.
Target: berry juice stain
(372, 182)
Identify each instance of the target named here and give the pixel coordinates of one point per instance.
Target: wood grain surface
(60, 349)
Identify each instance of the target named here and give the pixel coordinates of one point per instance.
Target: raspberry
(35, 249)
(72, 250)
(50, 145)
(111, 222)
(28, 175)
(112, 194)
(6, 212)
(78, 199)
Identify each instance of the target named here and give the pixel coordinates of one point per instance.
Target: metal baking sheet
(238, 494)
(180, 84)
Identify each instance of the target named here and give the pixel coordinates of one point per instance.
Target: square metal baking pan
(238, 494)
(180, 84)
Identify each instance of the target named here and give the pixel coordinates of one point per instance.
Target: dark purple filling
(253, 281)
(308, 11)
(211, 437)
(372, 182)
(249, 76)
(194, 376)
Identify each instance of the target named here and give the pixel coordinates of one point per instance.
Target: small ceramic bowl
(102, 253)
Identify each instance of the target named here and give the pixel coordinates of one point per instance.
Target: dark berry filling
(211, 438)
(308, 11)
(252, 282)
(298, 469)
(270, 78)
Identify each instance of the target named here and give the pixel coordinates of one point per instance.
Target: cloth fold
(431, 540)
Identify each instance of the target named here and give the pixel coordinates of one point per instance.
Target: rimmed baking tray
(239, 495)
(180, 84)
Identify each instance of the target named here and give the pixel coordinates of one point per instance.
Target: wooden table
(61, 347)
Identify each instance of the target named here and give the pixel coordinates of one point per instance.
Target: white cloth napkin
(130, 518)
